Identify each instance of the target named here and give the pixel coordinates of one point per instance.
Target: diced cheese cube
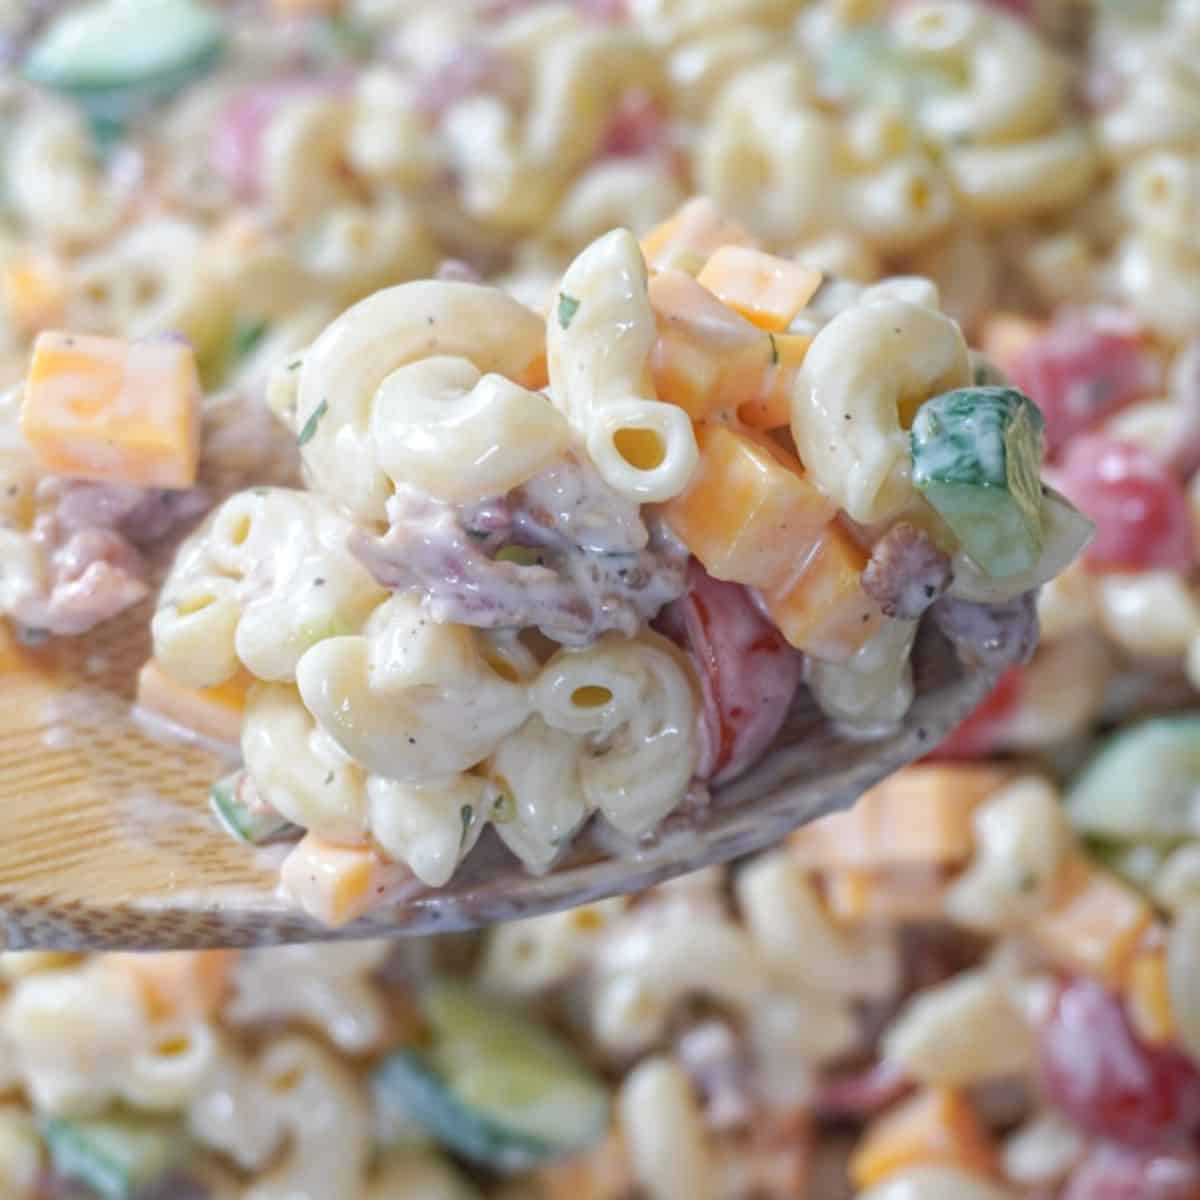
(214, 712)
(114, 411)
(856, 895)
(1094, 923)
(336, 883)
(749, 513)
(761, 392)
(13, 657)
(180, 983)
(766, 289)
(921, 816)
(822, 609)
(1148, 996)
(33, 289)
(1005, 336)
(686, 239)
(935, 1127)
(685, 374)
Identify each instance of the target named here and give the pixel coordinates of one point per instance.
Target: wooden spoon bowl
(108, 841)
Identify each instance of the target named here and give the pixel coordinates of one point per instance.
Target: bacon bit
(638, 128)
(980, 733)
(906, 572)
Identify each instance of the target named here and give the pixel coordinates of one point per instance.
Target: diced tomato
(1110, 1172)
(638, 128)
(748, 674)
(1139, 506)
(1107, 1081)
(1082, 369)
(979, 734)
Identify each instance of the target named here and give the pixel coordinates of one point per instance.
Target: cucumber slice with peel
(1143, 785)
(976, 454)
(247, 823)
(115, 1156)
(492, 1086)
(119, 58)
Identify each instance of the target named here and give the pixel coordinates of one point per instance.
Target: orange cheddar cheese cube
(336, 883)
(213, 712)
(1006, 335)
(114, 411)
(685, 374)
(33, 290)
(12, 655)
(822, 608)
(180, 983)
(906, 894)
(761, 391)
(1093, 924)
(749, 513)
(686, 239)
(936, 1127)
(921, 816)
(1148, 996)
(766, 289)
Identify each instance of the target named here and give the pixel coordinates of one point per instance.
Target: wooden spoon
(108, 841)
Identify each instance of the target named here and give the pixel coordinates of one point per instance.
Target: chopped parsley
(568, 306)
(774, 350)
(246, 335)
(505, 809)
(467, 814)
(310, 426)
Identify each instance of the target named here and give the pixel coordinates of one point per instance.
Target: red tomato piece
(981, 732)
(1107, 1081)
(1082, 369)
(748, 674)
(605, 10)
(1140, 508)
(1112, 1172)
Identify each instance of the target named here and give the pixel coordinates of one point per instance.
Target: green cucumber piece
(247, 825)
(976, 453)
(494, 1087)
(118, 58)
(867, 65)
(116, 1156)
(1143, 785)
(1065, 533)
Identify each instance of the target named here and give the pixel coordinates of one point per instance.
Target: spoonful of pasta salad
(569, 603)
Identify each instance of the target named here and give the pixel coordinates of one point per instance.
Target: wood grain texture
(106, 840)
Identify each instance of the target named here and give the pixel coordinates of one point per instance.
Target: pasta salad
(980, 984)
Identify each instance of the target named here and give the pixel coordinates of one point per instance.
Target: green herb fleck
(295, 364)
(467, 815)
(505, 809)
(246, 335)
(774, 351)
(1029, 881)
(568, 306)
(310, 426)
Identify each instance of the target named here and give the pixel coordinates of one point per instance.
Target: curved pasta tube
(537, 770)
(874, 689)
(598, 344)
(152, 279)
(177, 1065)
(864, 377)
(235, 1113)
(1161, 197)
(266, 577)
(327, 987)
(347, 365)
(54, 181)
(637, 702)
(325, 1112)
(767, 156)
(1015, 85)
(1158, 106)
(295, 769)
(514, 166)
(1038, 174)
(1157, 279)
(412, 700)
(302, 168)
(461, 436)
(430, 827)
